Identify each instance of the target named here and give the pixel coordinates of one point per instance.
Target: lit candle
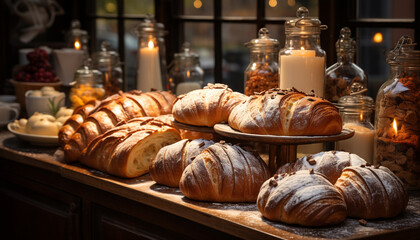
(77, 45)
(361, 143)
(148, 72)
(394, 126)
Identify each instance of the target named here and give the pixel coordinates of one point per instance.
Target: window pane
(135, 7)
(235, 54)
(131, 47)
(107, 30)
(371, 53)
(386, 9)
(239, 8)
(198, 7)
(200, 35)
(106, 7)
(287, 8)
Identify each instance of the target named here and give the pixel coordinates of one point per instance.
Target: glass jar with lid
(108, 62)
(345, 77)
(356, 111)
(87, 86)
(397, 120)
(185, 72)
(151, 70)
(262, 71)
(302, 60)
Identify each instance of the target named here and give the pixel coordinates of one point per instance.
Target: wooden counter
(156, 211)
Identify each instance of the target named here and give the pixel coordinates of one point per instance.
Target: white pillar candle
(185, 87)
(148, 72)
(361, 143)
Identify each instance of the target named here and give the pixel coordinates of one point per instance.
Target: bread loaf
(286, 112)
(128, 149)
(306, 198)
(330, 164)
(73, 122)
(171, 160)
(207, 106)
(113, 110)
(224, 173)
(372, 192)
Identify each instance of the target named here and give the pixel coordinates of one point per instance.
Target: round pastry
(306, 198)
(42, 124)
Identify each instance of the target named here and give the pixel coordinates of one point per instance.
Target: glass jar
(108, 62)
(356, 111)
(302, 60)
(397, 121)
(77, 38)
(262, 71)
(185, 72)
(151, 70)
(345, 77)
(87, 86)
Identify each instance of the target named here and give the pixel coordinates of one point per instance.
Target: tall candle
(361, 143)
(148, 71)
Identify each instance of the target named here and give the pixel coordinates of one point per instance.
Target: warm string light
(77, 45)
(377, 38)
(197, 4)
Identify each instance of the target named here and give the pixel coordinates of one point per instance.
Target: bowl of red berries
(36, 74)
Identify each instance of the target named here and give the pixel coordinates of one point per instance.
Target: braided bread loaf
(372, 192)
(207, 106)
(286, 112)
(171, 160)
(224, 173)
(128, 149)
(306, 198)
(113, 110)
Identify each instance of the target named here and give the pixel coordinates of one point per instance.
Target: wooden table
(214, 220)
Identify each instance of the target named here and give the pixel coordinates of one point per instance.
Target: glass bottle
(302, 60)
(345, 77)
(87, 86)
(356, 111)
(151, 70)
(108, 62)
(397, 120)
(262, 71)
(185, 72)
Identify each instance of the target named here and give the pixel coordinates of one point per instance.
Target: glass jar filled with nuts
(262, 71)
(397, 120)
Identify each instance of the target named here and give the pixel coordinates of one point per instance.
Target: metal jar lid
(356, 102)
(303, 24)
(345, 43)
(263, 42)
(150, 26)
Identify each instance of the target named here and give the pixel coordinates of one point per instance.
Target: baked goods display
(170, 162)
(304, 197)
(128, 149)
(207, 106)
(224, 173)
(113, 110)
(372, 192)
(286, 112)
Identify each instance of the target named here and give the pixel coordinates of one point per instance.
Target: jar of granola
(397, 121)
(262, 71)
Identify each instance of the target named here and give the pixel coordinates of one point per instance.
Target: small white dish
(42, 104)
(38, 140)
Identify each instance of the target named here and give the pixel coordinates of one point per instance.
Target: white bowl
(42, 104)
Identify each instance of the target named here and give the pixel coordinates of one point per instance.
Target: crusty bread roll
(306, 198)
(72, 123)
(224, 173)
(207, 106)
(128, 149)
(330, 164)
(286, 112)
(171, 160)
(372, 192)
(113, 110)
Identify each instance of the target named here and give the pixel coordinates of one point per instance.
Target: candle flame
(394, 125)
(150, 44)
(302, 48)
(361, 117)
(77, 45)
(188, 73)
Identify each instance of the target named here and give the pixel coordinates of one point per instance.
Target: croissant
(224, 173)
(286, 112)
(207, 106)
(330, 164)
(306, 198)
(128, 149)
(171, 160)
(372, 192)
(113, 110)
(73, 122)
